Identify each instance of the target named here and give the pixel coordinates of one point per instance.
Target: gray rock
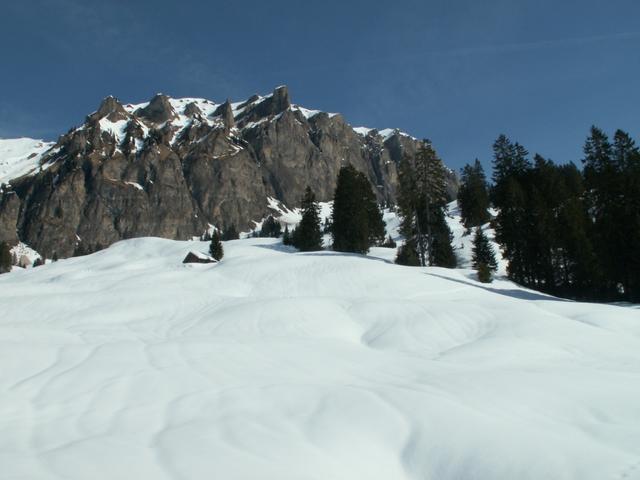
(176, 179)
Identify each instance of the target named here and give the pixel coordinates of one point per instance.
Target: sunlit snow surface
(19, 156)
(127, 364)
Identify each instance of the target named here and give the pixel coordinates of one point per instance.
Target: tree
(422, 201)
(270, 228)
(230, 233)
(38, 262)
(484, 273)
(473, 196)
(408, 255)
(286, 236)
(356, 220)
(215, 247)
(308, 236)
(441, 253)
(483, 252)
(5, 258)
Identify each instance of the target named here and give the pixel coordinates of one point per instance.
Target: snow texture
(280, 365)
(20, 156)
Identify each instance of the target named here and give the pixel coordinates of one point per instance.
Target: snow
(281, 365)
(135, 185)
(118, 129)
(20, 156)
(364, 131)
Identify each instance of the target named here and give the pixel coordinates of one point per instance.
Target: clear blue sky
(459, 72)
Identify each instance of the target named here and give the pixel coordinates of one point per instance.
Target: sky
(459, 72)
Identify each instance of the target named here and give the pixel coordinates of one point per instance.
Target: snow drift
(281, 365)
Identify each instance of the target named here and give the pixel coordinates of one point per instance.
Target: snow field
(281, 365)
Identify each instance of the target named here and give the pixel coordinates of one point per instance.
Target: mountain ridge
(173, 167)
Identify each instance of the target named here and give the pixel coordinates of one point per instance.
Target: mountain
(127, 364)
(173, 167)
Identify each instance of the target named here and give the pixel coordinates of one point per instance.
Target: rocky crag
(172, 167)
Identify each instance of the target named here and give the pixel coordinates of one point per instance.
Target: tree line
(563, 230)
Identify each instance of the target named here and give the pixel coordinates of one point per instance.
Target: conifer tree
(473, 196)
(270, 228)
(215, 247)
(5, 258)
(422, 202)
(286, 236)
(230, 233)
(308, 235)
(483, 252)
(408, 255)
(356, 219)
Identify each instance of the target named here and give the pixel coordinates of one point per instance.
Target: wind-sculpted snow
(127, 364)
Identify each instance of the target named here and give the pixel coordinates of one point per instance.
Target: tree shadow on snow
(278, 247)
(512, 292)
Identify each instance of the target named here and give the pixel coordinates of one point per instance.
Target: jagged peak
(110, 108)
(192, 110)
(226, 112)
(158, 110)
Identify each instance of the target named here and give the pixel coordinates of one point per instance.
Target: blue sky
(459, 72)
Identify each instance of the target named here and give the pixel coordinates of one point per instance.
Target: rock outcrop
(171, 167)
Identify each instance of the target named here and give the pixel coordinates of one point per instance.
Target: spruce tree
(308, 235)
(286, 236)
(270, 228)
(408, 255)
(422, 200)
(230, 233)
(215, 247)
(356, 219)
(483, 252)
(473, 196)
(5, 258)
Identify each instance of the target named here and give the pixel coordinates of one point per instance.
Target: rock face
(171, 167)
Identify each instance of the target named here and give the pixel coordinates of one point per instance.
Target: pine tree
(308, 235)
(215, 247)
(422, 202)
(230, 233)
(408, 255)
(356, 220)
(270, 228)
(286, 236)
(441, 253)
(473, 196)
(483, 252)
(5, 258)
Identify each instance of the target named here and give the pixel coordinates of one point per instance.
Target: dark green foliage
(38, 262)
(215, 247)
(54, 257)
(441, 253)
(473, 196)
(230, 233)
(484, 273)
(570, 233)
(421, 203)
(308, 236)
(612, 182)
(206, 237)
(286, 236)
(357, 221)
(6, 260)
(408, 255)
(270, 228)
(483, 253)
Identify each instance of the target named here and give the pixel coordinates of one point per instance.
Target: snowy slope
(20, 156)
(279, 365)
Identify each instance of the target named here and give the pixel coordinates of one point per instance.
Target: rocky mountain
(172, 167)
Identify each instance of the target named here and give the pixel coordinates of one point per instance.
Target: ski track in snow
(282, 365)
